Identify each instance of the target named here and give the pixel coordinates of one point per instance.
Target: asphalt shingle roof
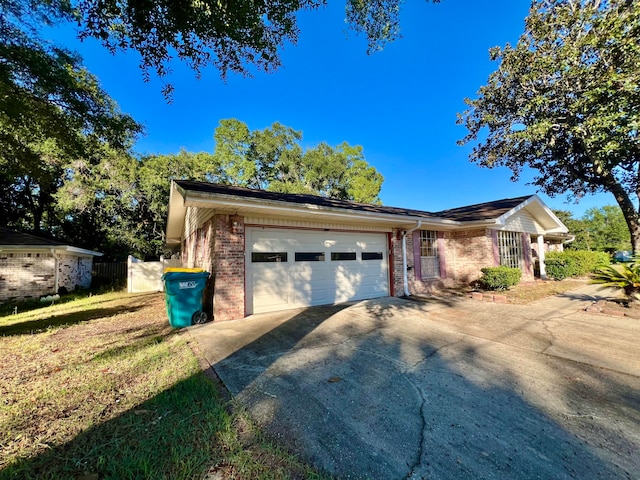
(12, 237)
(480, 211)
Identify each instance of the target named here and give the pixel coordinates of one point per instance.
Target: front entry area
(289, 268)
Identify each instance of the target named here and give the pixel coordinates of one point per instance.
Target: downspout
(404, 256)
(56, 277)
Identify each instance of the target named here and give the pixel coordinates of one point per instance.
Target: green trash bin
(183, 290)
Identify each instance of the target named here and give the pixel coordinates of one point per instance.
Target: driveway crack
(433, 353)
(423, 428)
(553, 337)
(418, 463)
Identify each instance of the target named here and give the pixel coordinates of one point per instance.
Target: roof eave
(230, 202)
(175, 215)
(49, 248)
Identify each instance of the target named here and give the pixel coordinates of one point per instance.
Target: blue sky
(400, 104)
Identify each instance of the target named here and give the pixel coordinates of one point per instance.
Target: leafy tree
(272, 159)
(46, 92)
(124, 200)
(52, 111)
(115, 203)
(600, 229)
(578, 228)
(233, 36)
(565, 101)
(606, 229)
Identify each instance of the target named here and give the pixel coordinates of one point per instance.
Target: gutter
(404, 256)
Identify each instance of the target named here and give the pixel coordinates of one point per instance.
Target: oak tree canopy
(565, 102)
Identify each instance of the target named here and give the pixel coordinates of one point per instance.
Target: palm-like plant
(625, 276)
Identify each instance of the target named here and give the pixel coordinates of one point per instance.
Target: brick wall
(74, 271)
(27, 275)
(462, 254)
(466, 252)
(396, 254)
(228, 267)
(218, 248)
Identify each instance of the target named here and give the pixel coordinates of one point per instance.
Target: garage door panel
(319, 296)
(310, 283)
(314, 279)
(271, 302)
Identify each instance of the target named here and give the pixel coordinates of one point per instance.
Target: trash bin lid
(185, 270)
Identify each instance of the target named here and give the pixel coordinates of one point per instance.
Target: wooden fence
(115, 272)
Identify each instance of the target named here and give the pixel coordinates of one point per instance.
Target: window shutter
(417, 264)
(496, 250)
(441, 256)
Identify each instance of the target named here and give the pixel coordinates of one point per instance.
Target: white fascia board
(283, 208)
(82, 251)
(25, 248)
(480, 223)
(52, 249)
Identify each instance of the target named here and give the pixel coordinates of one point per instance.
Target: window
(429, 262)
(338, 256)
(510, 249)
(428, 243)
(264, 257)
(309, 256)
(371, 255)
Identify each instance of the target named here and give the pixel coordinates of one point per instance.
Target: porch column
(543, 268)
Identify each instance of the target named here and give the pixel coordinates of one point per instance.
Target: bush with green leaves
(499, 278)
(574, 263)
(625, 276)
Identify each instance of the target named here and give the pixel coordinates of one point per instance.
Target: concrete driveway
(393, 388)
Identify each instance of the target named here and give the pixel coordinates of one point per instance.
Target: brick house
(32, 266)
(269, 251)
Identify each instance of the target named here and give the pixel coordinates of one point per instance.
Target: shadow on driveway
(378, 389)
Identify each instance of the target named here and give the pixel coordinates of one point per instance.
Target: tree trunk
(631, 214)
(634, 228)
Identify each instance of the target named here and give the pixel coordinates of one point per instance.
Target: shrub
(623, 276)
(499, 278)
(574, 263)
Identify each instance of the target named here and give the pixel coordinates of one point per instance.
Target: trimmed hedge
(574, 263)
(499, 278)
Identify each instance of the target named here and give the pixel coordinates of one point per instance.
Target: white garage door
(299, 268)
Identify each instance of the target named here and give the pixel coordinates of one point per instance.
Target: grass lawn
(102, 388)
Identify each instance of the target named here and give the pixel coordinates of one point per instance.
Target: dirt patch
(616, 308)
(526, 292)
